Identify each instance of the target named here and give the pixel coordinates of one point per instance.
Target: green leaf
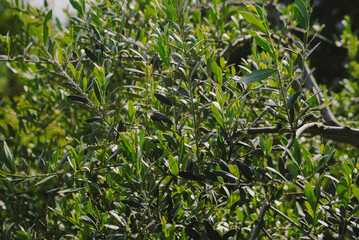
(301, 6)
(163, 99)
(325, 159)
(173, 165)
(131, 110)
(356, 191)
(293, 170)
(301, 14)
(291, 100)
(127, 142)
(162, 52)
(91, 55)
(234, 170)
(161, 117)
(71, 190)
(309, 208)
(196, 66)
(254, 21)
(159, 125)
(98, 91)
(343, 191)
(45, 27)
(217, 112)
(76, 5)
(309, 193)
(88, 220)
(257, 76)
(262, 42)
(276, 172)
(296, 154)
(77, 98)
(27, 49)
(93, 119)
(227, 177)
(8, 158)
(119, 218)
(45, 180)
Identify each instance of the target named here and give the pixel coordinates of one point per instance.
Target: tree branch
(260, 219)
(335, 133)
(326, 113)
(340, 134)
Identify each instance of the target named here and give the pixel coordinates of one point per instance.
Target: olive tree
(176, 119)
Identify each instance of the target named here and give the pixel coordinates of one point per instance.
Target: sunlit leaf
(8, 158)
(256, 76)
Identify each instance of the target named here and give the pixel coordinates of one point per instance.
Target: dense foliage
(176, 119)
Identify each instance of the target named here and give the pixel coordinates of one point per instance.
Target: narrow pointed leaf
(45, 180)
(173, 165)
(292, 99)
(196, 67)
(91, 55)
(257, 76)
(27, 49)
(254, 21)
(77, 98)
(163, 118)
(309, 193)
(45, 27)
(98, 91)
(163, 99)
(8, 158)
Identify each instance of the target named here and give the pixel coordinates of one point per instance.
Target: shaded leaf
(91, 120)
(291, 100)
(45, 180)
(163, 99)
(77, 98)
(159, 116)
(132, 203)
(230, 233)
(183, 91)
(97, 90)
(91, 55)
(68, 85)
(211, 233)
(64, 159)
(223, 165)
(227, 177)
(191, 176)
